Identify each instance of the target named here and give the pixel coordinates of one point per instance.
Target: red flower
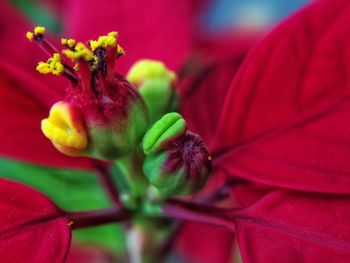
(281, 137)
(43, 91)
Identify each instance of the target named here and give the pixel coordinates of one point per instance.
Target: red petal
(25, 97)
(204, 83)
(291, 228)
(31, 229)
(286, 120)
(156, 29)
(205, 244)
(19, 58)
(206, 79)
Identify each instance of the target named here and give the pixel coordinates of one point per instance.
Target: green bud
(155, 83)
(177, 162)
(165, 130)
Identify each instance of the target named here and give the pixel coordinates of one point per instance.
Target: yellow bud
(148, 69)
(64, 128)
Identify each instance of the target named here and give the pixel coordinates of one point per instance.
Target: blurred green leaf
(39, 15)
(72, 190)
(109, 236)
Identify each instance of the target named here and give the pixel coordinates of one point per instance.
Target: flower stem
(198, 213)
(108, 183)
(217, 195)
(171, 240)
(132, 173)
(145, 238)
(98, 217)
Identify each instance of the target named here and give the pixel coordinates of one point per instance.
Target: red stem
(108, 183)
(199, 213)
(217, 195)
(98, 217)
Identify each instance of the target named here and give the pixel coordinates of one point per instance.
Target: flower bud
(115, 121)
(103, 115)
(156, 85)
(178, 161)
(65, 127)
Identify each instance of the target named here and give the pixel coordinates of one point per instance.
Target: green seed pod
(178, 161)
(165, 130)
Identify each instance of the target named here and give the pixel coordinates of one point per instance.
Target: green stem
(131, 171)
(145, 239)
(145, 235)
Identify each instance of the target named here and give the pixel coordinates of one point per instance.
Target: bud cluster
(109, 117)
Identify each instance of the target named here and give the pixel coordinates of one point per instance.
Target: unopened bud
(178, 161)
(155, 83)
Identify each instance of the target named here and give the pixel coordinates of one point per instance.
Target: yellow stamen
(71, 43)
(93, 65)
(53, 65)
(43, 68)
(113, 34)
(104, 41)
(68, 42)
(39, 30)
(64, 128)
(30, 36)
(80, 52)
(120, 50)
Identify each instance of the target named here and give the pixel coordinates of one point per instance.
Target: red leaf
(31, 227)
(286, 120)
(206, 79)
(157, 29)
(214, 245)
(282, 226)
(290, 227)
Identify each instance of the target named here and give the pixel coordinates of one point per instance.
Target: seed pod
(178, 161)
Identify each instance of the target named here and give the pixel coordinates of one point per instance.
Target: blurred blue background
(247, 14)
(218, 15)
